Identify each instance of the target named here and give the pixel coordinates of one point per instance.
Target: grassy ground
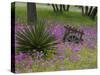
(73, 17)
(87, 60)
(21, 13)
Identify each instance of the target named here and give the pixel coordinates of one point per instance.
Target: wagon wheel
(71, 37)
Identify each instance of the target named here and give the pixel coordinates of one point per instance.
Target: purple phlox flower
(30, 62)
(18, 27)
(61, 57)
(89, 31)
(75, 47)
(90, 43)
(38, 54)
(89, 36)
(51, 61)
(20, 57)
(57, 31)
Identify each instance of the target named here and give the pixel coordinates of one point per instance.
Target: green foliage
(21, 13)
(48, 54)
(34, 38)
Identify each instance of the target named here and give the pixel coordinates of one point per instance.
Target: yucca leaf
(34, 37)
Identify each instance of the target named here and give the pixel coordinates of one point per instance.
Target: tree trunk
(86, 10)
(94, 12)
(82, 10)
(68, 7)
(64, 8)
(90, 10)
(57, 9)
(61, 8)
(54, 9)
(31, 13)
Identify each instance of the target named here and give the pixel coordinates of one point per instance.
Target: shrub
(36, 38)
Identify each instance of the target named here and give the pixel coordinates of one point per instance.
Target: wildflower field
(42, 47)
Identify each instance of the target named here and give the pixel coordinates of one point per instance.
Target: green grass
(88, 60)
(73, 17)
(21, 13)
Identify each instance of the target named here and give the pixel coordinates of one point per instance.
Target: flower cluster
(89, 36)
(57, 31)
(37, 62)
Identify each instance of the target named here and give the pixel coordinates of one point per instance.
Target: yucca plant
(36, 38)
